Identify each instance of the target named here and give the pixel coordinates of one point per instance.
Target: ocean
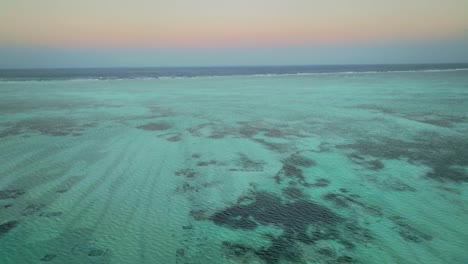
(291, 164)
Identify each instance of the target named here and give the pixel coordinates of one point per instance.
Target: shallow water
(326, 168)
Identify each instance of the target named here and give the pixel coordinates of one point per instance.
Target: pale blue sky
(417, 52)
(121, 33)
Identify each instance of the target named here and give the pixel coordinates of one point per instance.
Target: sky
(144, 33)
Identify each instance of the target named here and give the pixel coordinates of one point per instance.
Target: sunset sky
(87, 33)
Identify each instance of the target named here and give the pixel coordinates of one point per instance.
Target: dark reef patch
(440, 120)
(180, 252)
(248, 164)
(72, 246)
(343, 199)
(156, 126)
(48, 257)
(281, 248)
(408, 232)
(46, 126)
(395, 184)
(187, 187)
(159, 111)
(291, 169)
(368, 164)
(446, 155)
(62, 190)
(206, 163)
(212, 130)
(171, 137)
(51, 214)
(357, 233)
(200, 215)
(249, 129)
(388, 182)
(196, 130)
(322, 182)
(267, 209)
(428, 118)
(276, 133)
(347, 200)
(219, 133)
(449, 189)
(298, 160)
(68, 184)
(326, 252)
(301, 220)
(8, 226)
(248, 132)
(11, 194)
(174, 138)
(33, 209)
(338, 199)
(187, 227)
(277, 147)
(323, 147)
(188, 173)
(347, 244)
(237, 251)
(377, 108)
(95, 252)
(294, 193)
(374, 165)
(345, 259)
(373, 210)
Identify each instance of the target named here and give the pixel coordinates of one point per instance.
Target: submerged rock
(6, 227)
(248, 164)
(174, 138)
(180, 252)
(206, 163)
(345, 259)
(294, 193)
(96, 252)
(200, 215)
(188, 173)
(155, 126)
(11, 194)
(51, 214)
(408, 232)
(322, 182)
(48, 257)
(299, 160)
(33, 209)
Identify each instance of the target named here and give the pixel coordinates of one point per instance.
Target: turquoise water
(319, 168)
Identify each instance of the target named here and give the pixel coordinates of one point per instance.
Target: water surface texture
(252, 166)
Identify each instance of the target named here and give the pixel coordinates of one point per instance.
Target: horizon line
(238, 66)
